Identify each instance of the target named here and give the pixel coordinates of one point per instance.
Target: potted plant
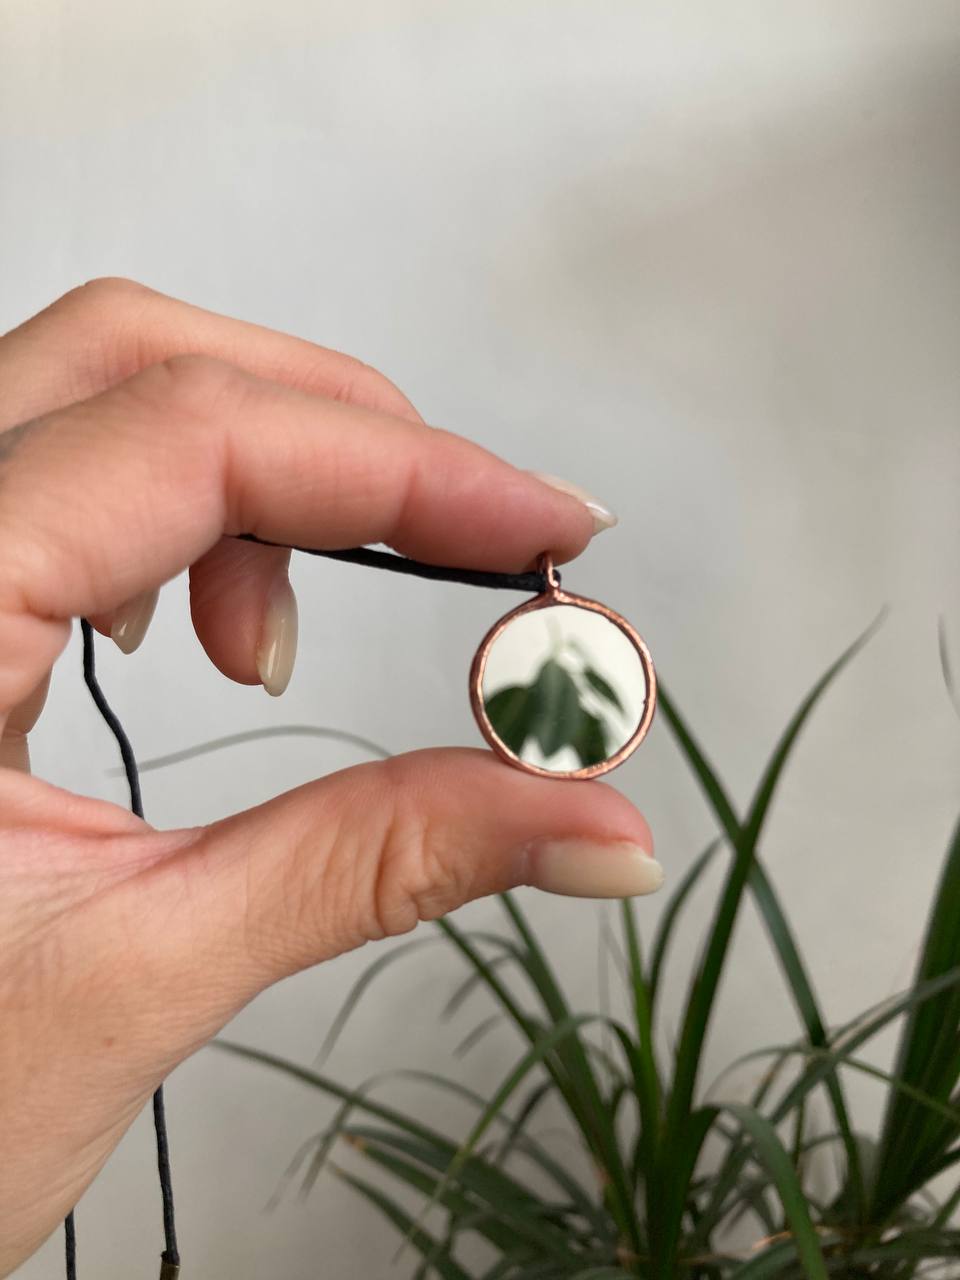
(653, 1204)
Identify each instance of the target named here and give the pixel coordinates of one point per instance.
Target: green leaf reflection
(550, 710)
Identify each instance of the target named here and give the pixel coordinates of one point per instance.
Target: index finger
(106, 330)
(117, 494)
(110, 328)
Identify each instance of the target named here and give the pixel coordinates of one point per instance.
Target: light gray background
(702, 259)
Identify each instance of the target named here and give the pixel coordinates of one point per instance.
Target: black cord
(70, 1245)
(114, 725)
(532, 581)
(170, 1258)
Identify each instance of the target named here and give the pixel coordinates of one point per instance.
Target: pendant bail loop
(545, 566)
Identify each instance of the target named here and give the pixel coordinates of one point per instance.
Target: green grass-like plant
(652, 1204)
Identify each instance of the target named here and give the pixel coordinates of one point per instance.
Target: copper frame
(554, 595)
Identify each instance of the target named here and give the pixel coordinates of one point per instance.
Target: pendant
(562, 686)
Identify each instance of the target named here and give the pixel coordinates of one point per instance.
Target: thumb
(132, 947)
(369, 852)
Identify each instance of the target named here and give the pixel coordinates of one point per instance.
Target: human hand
(135, 433)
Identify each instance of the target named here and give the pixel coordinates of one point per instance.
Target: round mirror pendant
(562, 686)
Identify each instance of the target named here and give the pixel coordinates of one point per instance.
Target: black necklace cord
(373, 559)
(70, 1245)
(170, 1258)
(533, 581)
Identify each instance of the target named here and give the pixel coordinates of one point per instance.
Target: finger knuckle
(99, 327)
(105, 293)
(113, 287)
(362, 384)
(416, 876)
(192, 384)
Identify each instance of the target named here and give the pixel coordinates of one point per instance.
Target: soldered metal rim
(552, 596)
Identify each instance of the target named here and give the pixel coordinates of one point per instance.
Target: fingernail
(130, 621)
(277, 647)
(593, 869)
(603, 517)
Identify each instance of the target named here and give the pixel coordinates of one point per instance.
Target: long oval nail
(131, 619)
(277, 647)
(593, 869)
(603, 517)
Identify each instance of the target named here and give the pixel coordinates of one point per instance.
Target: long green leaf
(358, 1099)
(476, 1034)
(383, 962)
(257, 735)
(533, 1058)
(422, 1240)
(528, 1027)
(600, 1273)
(647, 1074)
(944, 1214)
(361, 985)
(485, 969)
(928, 1057)
(471, 982)
(531, 1103)
(671, 914)
(668, 1187)
(506, 1268)
(824, 1066)
(925, 1101)
(593, 1117)
(773, 1261)
(773, 1154)
(744, 838)
(507, 1219)
(910, 1247)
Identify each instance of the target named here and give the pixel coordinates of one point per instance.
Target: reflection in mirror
(564, 688)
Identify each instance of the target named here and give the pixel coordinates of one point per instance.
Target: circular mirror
(565, 689)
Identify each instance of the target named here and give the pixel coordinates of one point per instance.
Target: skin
(135, 432)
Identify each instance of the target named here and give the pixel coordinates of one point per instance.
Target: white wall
(703, 259)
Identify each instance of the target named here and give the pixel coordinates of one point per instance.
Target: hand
(137, 431)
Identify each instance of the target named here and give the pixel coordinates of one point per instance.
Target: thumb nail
(603, 517)
(277, 647)
(593, 869)
(131, 619)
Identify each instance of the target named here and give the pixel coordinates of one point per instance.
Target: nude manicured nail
(593, 869)
(603, 517)
(277, 648)
(131, 620)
